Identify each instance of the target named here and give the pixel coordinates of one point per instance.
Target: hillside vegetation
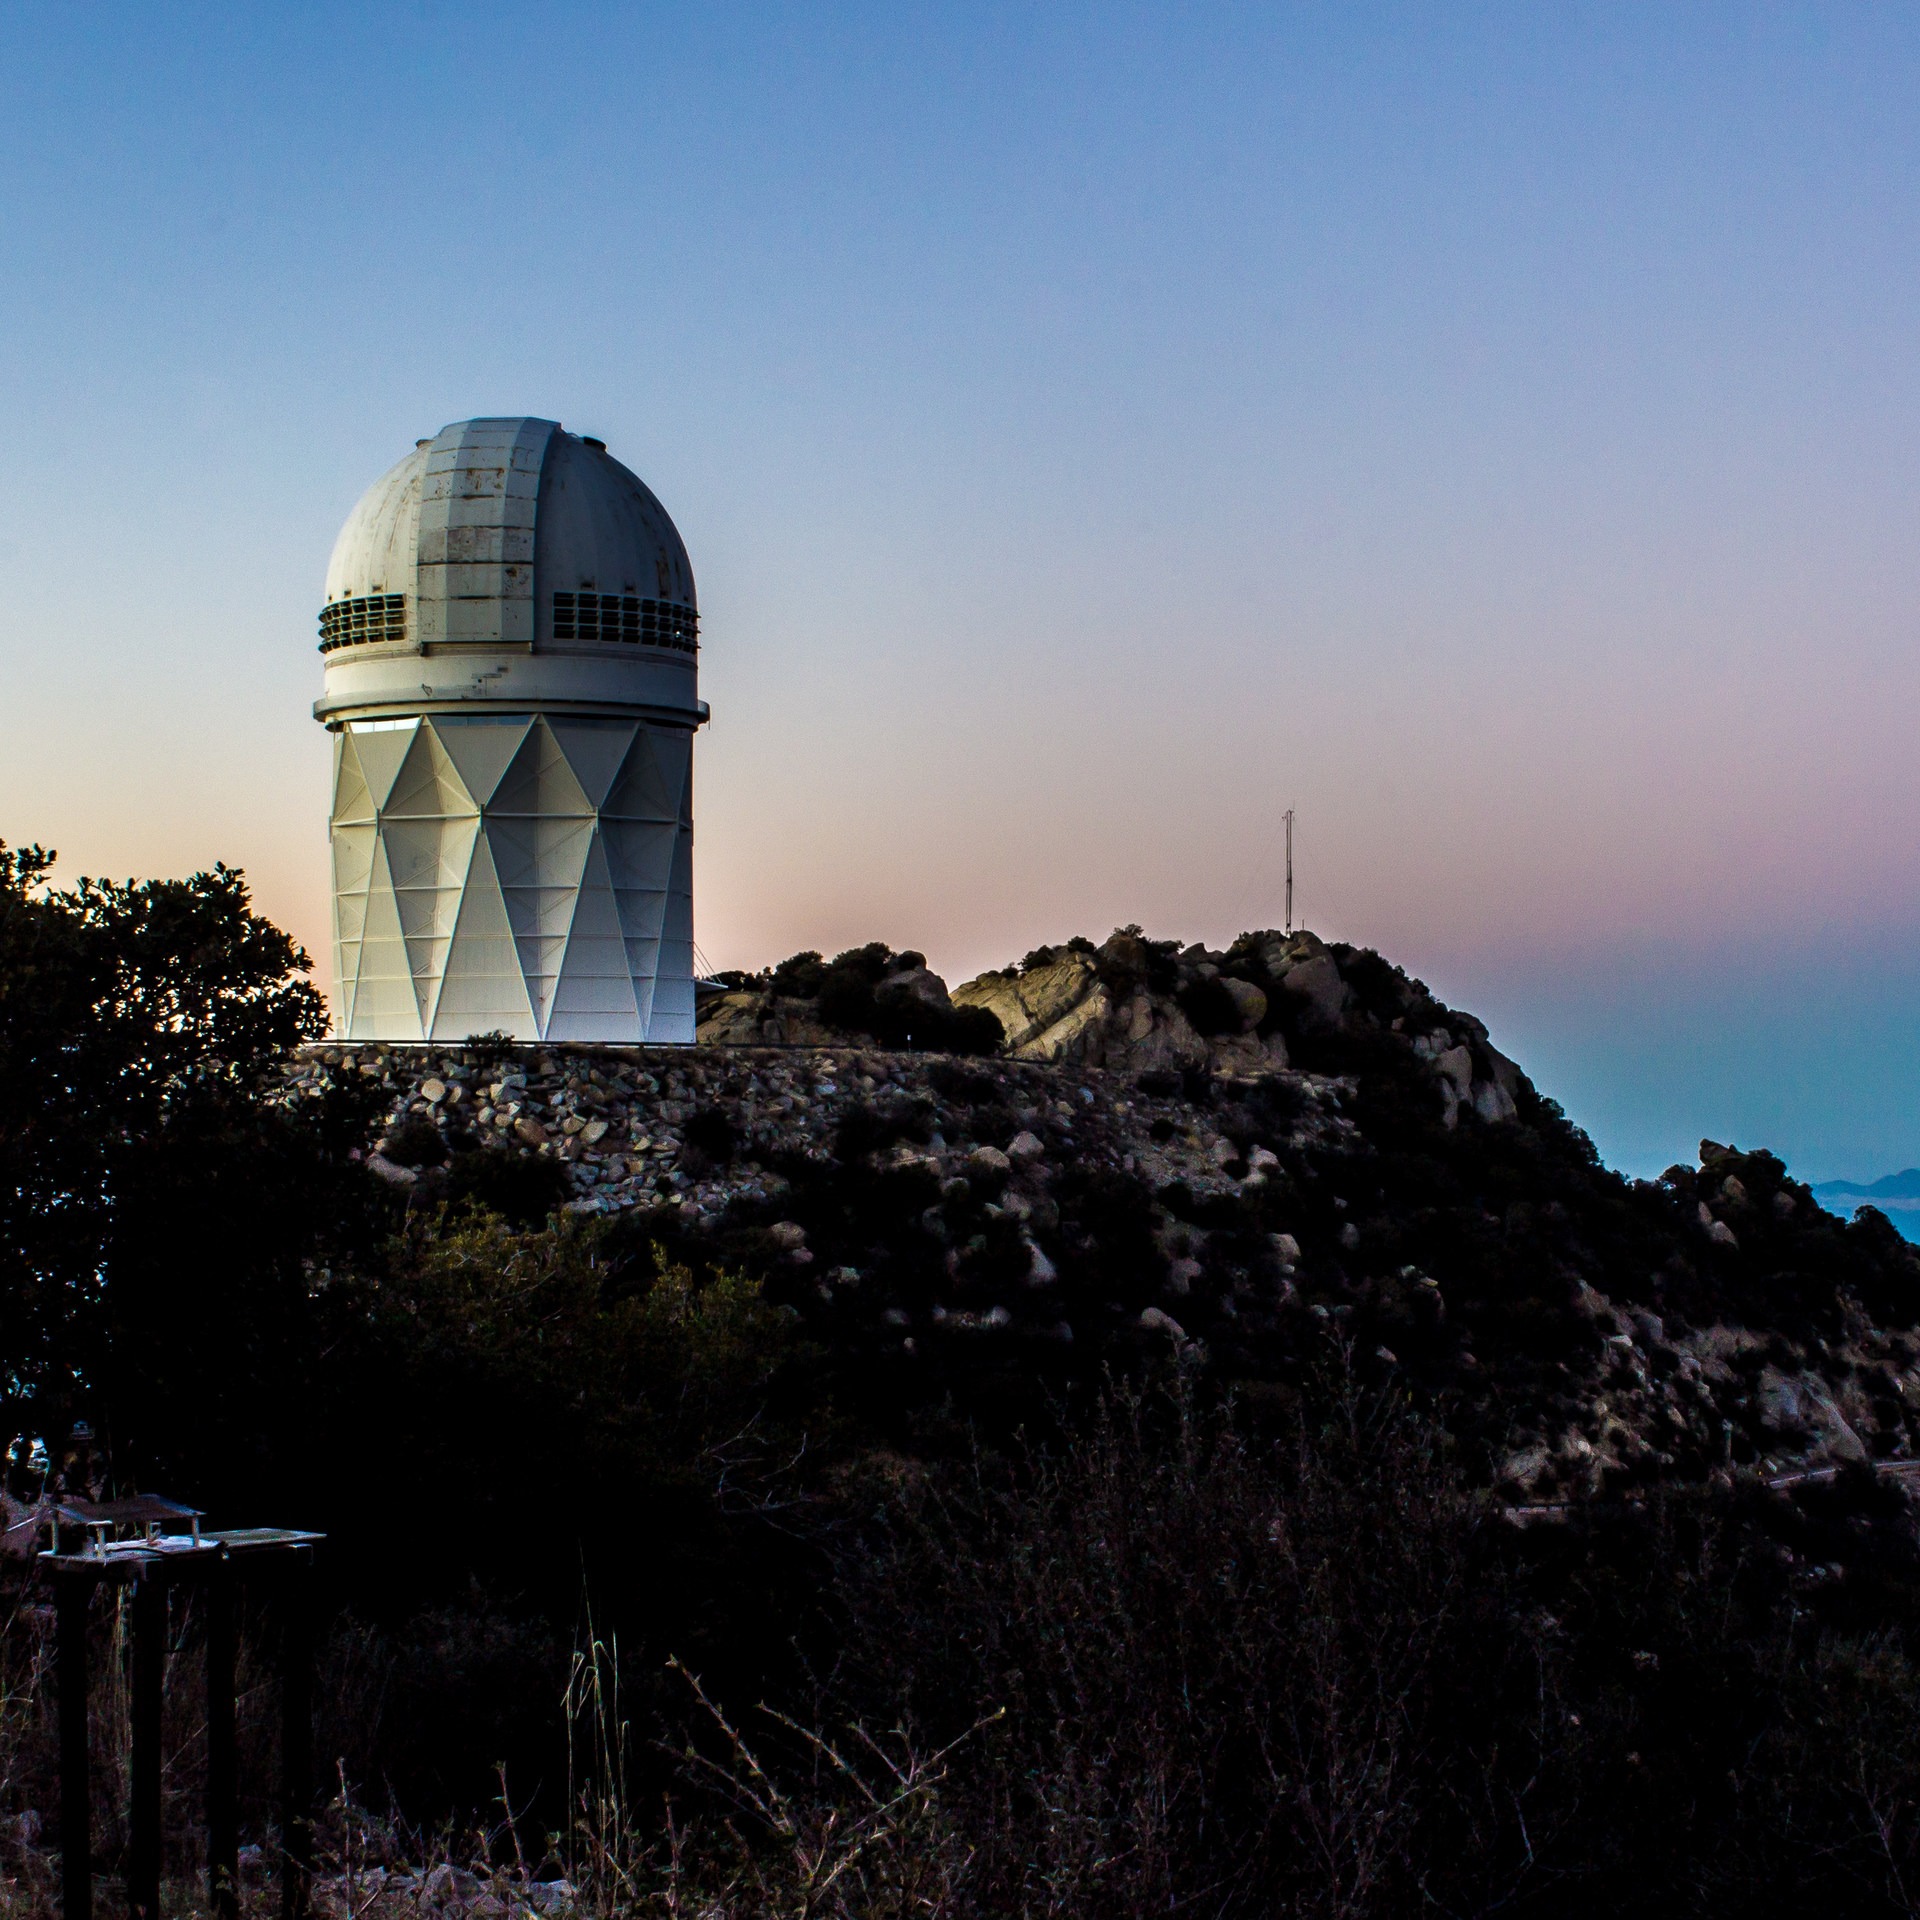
(1208, 1435)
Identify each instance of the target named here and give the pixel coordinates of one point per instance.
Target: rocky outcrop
(1140, 1179)
(748, 1017)
(1058, 1009)
(1131, 1005)
(869, 993)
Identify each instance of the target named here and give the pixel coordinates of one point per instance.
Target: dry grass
(800, 1823)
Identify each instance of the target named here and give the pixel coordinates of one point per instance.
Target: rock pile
(1137, 1005)
(698, 1131)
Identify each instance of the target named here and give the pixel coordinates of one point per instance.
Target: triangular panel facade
(513, 874)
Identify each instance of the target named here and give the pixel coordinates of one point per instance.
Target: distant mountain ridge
(1893, 1186)
(1896, 1194)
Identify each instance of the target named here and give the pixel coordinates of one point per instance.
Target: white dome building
(510, 638)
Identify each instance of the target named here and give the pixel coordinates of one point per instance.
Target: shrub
(798, 977)
(489, 1049)
(416, 1142)
(966, 1086)
(867, 1129)
(521, 1188)
(849, 1003)
(1235, 1674)
(711, 1135)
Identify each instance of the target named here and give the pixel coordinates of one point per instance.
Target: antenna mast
(1289, 820)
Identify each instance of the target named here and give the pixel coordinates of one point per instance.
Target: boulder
(1123, 960)
(1182, 1273)
(1800, 1407)
(1316, 979)
(733, 1019)
(1248, 999)
(750, 1018)
(1247, 1053)
(914, 986)
(1056, 1012)
(1506, 1074)
(1147, 1033)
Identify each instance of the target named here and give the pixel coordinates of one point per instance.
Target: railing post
(296, 1738)
(71, 1592)
(223, 1789)
(149, 1670)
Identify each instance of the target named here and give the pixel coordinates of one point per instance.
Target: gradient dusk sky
(1492, 431)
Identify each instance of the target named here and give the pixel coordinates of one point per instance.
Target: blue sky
(1490, 431)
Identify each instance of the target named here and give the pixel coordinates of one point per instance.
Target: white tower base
(525, 874)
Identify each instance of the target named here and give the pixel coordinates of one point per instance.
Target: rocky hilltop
(1240, 1162)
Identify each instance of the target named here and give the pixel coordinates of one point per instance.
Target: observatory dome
(510, 638)
(512, 494)
(511, 532)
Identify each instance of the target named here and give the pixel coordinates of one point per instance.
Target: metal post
(149, 1669)
(1288, 816)
(223, 1795)
(296, 1740)
(71, 1594)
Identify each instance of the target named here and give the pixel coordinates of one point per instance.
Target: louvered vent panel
(357, 623)
(625, 617)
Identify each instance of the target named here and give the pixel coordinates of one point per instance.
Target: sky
(1489, 431)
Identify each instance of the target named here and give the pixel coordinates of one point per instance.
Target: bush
(416, 1142)
(712, 1136)
(848, 1001)
(799, 977)
(1233, 1674)
(966, 1086)
(489, 1049)
(521, 1188)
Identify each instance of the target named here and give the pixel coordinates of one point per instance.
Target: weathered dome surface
(599, 526)
(481, 526)
(375, 550)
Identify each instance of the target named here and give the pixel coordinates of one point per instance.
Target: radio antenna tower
(1289, 820)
